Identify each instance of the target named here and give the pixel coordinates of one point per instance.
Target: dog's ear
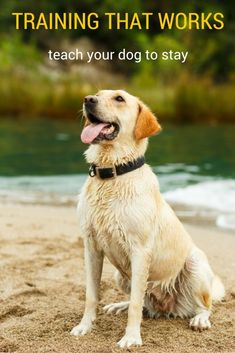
(147, 124)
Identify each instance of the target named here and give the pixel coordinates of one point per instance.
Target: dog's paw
(130, 340)
(81, 329)
(200, 322)
(116, 307)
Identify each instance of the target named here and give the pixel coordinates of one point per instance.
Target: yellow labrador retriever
(123, 216)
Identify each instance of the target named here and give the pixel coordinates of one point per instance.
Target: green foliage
(200, 100)
(212, 51)
(152, 71)
(14, 53)
(202, 88)
(41, 95)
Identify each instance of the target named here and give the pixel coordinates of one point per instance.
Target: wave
(215, 198)
(194, 195)
(216, 194)
(54, 189)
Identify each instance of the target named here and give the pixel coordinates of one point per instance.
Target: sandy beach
(42, 290)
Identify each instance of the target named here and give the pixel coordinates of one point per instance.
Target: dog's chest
(109, 222)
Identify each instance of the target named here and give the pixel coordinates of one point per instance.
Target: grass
(29, 88)
(194, 100)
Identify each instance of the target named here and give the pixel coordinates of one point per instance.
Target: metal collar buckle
(108, 172)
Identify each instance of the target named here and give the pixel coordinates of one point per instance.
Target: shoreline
(42, 289)
(186, 214)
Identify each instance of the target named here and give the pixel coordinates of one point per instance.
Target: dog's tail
(218, 291)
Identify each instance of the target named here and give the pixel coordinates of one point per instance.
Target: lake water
(42, 161)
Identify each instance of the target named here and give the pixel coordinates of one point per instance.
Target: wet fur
(127, 220)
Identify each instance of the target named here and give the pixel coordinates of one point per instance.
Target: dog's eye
(119, 99)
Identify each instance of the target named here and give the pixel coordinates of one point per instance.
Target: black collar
(114, 170)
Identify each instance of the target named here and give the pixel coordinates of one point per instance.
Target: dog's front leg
(93, 265)
(140, 261)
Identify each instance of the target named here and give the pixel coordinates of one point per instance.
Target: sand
(42, 290)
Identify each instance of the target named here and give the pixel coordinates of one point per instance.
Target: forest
(199, 88)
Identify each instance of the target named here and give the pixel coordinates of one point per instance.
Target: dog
(123, 216)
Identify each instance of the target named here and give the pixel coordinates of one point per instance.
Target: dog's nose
(90, 100)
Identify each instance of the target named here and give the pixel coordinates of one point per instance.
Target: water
(42, 161)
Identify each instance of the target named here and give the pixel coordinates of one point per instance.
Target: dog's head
(115, 115)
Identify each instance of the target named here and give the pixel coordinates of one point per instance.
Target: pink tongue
(90, 132)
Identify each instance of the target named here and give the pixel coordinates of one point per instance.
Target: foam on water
(217, 196)
(226, 221)
(54, 183)
(56, 189)
(181, 185)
